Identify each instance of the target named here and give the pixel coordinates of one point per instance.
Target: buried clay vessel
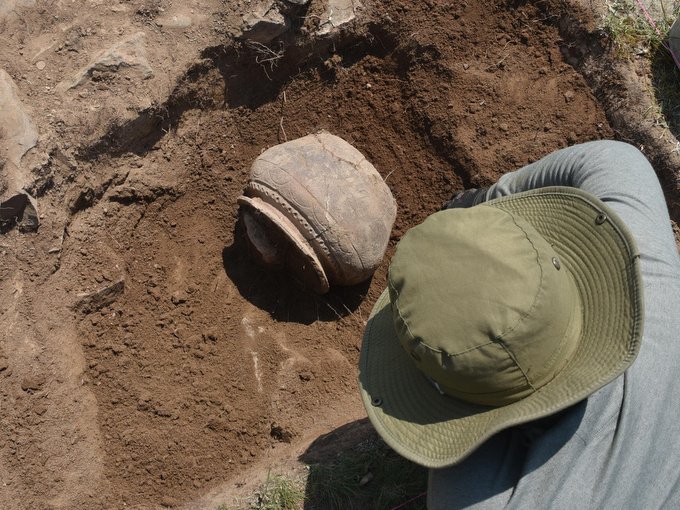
(316, 207)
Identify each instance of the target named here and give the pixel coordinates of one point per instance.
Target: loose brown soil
(200, 365)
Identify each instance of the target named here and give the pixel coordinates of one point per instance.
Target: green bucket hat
(498, 315)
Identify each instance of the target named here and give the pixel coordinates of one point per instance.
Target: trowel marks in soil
(437, 97)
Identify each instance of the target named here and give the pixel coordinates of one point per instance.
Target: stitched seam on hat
(453, 355)
(535, 302)
(512, 356)
(500, 338)
(420, 342)
(550, 362)
(395, 303)
(450, 355)
(503, 391)
(423, 344)
(638, 300)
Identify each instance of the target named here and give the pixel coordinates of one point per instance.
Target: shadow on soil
(666, 83)
(351, 468)
(239, 75)
(666, 87)
(279, 295)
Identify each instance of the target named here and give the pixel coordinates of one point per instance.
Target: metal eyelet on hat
(600, 219)
(376, 402)
(556, 263)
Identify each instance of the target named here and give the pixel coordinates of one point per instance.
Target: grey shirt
(620, 448)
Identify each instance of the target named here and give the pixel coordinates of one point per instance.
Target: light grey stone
(128, 53)
(8, 6)
(338, 13)
(17, 132)
(264, 24)
(674, 39)
(174, 21)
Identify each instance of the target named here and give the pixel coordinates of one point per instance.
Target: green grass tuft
(630, 30)
(633, 36)
(371, 476)
(278, 493)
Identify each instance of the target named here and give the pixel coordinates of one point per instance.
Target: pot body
(328, 201)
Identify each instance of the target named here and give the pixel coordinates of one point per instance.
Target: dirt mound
(147, 360)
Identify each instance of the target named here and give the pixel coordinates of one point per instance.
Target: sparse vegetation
(644, 34)
(630, 29)
(666, 89)
(278, 493)
(370, 476)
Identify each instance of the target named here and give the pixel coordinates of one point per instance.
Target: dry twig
(266, 55)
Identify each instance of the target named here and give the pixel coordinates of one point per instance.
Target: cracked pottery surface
(316, 206)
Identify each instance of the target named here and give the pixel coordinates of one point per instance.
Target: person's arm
(615, 172)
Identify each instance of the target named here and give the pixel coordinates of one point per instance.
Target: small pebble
(40, 64)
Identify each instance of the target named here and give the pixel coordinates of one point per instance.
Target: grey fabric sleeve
(619, 447)
(615, 172)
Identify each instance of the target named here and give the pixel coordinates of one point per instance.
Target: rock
(131, 194)
(168, 502)
(674, 38)
(19, 210)
(174, 21)
(8, 6)
(338, 13)
(88, 303)
(81, 198)
(366, 479)
(297, 2)
(32, 383)
(178, 297)
(265, 24)
(129, 53)
(280, 433)
(17, 131)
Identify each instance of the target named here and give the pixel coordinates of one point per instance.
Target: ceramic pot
(317, 207)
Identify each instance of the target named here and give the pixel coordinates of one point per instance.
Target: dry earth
(145, 361)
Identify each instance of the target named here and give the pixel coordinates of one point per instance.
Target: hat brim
(595, 246)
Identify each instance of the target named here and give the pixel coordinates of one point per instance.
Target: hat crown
(483, 304)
